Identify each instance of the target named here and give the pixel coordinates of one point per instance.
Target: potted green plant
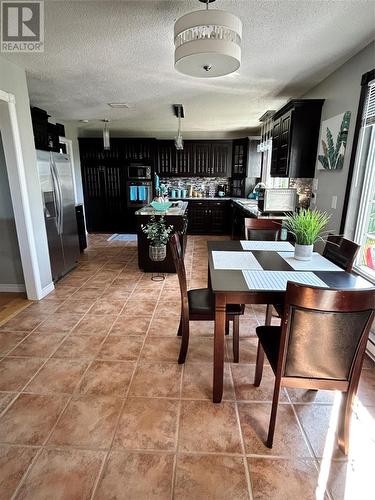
(157, 233)
(307, 227)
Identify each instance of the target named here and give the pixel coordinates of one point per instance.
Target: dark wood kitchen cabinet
(239, 161)
(124, 150)
(167, 159)
(239, 167)
(104, 189)
(221, 154)
(104, 181)
(295, 137)
(198, 158)
(208, 217)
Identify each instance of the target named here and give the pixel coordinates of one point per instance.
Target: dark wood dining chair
(262, 229)
(199, 305)
(339, 321)
(338, 250)
(341, 251)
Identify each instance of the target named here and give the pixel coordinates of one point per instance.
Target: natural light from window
(365, 165)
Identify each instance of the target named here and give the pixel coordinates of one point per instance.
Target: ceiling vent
(118, 105)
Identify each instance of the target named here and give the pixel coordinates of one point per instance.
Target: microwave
(277, 200)
(137, 171)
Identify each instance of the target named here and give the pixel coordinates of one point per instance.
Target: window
(365, 169)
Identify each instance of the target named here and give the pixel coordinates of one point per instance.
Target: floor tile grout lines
(309, 445)
(174, 471)
(243, 446)
(107, 455)
(25, 475)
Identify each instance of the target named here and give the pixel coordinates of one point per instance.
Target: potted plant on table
(157, 233)
(307, 227)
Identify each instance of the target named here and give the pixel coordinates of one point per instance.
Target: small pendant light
(106, 139)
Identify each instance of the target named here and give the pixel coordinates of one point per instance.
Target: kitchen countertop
(204, 198)
(250, 206)
(178, 211)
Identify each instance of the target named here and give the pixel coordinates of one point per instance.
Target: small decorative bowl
(161, 207)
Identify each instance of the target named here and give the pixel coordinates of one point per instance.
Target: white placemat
(235, 261)
(317, 263)
(276, 246)
(277, 280)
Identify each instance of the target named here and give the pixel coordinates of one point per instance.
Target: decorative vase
(157, 254)
(303, 252)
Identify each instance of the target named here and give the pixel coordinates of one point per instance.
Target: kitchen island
(175, 216)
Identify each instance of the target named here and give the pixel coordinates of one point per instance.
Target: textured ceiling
(100, 52)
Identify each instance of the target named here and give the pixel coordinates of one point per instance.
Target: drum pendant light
(207, 43)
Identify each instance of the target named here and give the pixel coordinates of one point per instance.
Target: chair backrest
(341, 251)
(325, 331)
(262, 229)
(178, 260)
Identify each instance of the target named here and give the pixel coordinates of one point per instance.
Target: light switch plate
(334, 202)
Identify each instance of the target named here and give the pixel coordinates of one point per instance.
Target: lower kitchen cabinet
(238, 216)
(208, 217)
(167, 265)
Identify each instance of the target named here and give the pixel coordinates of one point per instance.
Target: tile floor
(94, 405)
(11, 304)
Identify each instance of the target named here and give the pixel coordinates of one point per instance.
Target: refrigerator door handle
(59, 197)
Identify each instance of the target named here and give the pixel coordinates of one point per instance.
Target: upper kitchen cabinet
(239, 161)
(198, 158)
(137, 150)
(295, 137)
(221, 155)
(167, 159)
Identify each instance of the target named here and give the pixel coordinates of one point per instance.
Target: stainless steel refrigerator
(56, 181)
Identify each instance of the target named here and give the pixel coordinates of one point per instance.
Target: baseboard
(4, 287)
(46, 290)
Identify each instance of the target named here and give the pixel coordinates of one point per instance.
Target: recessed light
(118, 105)
(84, 121)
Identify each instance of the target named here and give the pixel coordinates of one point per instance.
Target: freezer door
(51, 214)
(67, 222)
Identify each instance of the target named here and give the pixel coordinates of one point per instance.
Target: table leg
(220, 307)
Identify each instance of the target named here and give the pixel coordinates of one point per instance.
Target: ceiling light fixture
(207, 43)
(106, 139)
(178, 110)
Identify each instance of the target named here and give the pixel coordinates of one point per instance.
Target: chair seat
(269, 337)
(202, 301)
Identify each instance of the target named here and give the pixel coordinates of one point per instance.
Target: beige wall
(341, 91)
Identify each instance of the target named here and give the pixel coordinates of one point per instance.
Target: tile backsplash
(209, 186)
(206, 184)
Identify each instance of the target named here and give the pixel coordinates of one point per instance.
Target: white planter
(303, 252)
(157, 254)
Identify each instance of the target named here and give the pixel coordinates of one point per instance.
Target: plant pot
(157, 254)
(303, 252)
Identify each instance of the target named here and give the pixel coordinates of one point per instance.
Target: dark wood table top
(233, 281)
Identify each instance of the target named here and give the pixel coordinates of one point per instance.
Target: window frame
(365, 80)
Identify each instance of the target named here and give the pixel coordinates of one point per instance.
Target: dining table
(256, 272)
